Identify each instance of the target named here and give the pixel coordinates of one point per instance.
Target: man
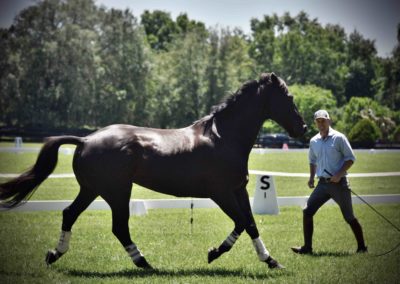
(330, 157)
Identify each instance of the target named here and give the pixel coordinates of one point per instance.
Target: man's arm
(342, 171)
(313, 169)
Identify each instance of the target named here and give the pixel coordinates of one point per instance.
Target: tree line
(71, 63)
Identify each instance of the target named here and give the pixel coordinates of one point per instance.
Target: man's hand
(341, 172)
(311, 183)
(336, 178)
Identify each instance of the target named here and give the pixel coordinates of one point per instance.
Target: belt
(324, 180)
(328, 180)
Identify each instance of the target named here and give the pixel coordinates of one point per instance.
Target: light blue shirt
(330, 153)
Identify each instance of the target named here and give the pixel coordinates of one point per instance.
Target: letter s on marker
(265, 182)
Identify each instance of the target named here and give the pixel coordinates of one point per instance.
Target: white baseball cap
(321, 114)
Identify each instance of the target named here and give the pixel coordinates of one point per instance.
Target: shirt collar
(330, 133)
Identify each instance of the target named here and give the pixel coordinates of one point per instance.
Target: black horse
(206, 159)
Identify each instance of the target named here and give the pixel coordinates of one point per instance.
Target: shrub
(396, 134)
(364, 133)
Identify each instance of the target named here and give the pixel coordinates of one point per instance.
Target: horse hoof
(213, 253)
(142, 263)
(273, 264)
(52, 256)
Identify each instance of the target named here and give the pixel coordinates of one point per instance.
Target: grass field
(180, 257)
(164, 237)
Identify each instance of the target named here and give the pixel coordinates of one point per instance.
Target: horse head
(280, 106)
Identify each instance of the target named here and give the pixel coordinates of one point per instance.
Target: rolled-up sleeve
(312, 158)
(347, 151)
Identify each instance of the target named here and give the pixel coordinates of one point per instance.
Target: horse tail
(21, 188)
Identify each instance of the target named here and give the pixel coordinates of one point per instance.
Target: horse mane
(229, 101)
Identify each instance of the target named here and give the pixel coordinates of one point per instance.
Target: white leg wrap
(261, 250)
(63, 243)
(231, 239)
(133, 252)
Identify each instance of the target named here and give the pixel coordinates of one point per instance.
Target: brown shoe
(302, 250)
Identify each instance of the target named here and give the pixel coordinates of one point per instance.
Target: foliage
(387, 82)
(311, 98)
(308, 99)
(361, 68)
(73, 64)
(359, 108)
(364, 131)
(161, 29)
(301, 50)
(396, 134)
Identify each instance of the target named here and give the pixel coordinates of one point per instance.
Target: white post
(18, 142)
(138, 208)
(265, 201)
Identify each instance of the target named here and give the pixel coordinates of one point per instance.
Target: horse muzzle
(298, 132)
(304, 129)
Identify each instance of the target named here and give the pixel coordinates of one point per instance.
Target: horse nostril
(305, 128)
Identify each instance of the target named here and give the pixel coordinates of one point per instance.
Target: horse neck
(241, 127)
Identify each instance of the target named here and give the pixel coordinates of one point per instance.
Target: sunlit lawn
(180, 257)
(164, 237)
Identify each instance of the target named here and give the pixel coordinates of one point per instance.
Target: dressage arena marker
(265, 200)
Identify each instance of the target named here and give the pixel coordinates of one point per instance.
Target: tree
(228, 66)
(159, 27)
(364, 133)
(366, 108)
(9, 84)
(69, 63)
(388, 81)
(308, 99)
(186, 25)
(123, 71)
(262, 47)
(181, 72)
(361, 53)
(302, 51)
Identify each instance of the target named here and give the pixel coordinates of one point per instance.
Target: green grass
(180, 257)
(164, 237)
(295, 162)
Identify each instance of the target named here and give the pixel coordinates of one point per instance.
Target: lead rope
(386, 219)
(378, 213)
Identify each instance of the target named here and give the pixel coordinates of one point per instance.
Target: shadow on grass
(331, 253)
(211, 272)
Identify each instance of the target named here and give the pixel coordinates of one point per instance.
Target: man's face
(322, 124)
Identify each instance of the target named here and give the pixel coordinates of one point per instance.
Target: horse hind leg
(119, 203)
(70, 215)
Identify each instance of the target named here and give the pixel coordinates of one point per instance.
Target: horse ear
(274, 78)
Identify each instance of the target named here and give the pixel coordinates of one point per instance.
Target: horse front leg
(251, 229)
